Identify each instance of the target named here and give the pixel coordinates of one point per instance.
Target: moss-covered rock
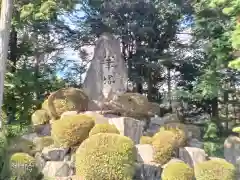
(216, 169)
(23, 166)
(177, 171)
(40, 117)
(133, 105)
(106, 156)
(146, 140)
(71, 130)
(180, 135)
(67, 99)
(104, 128)
(164, 145)
(41, 142)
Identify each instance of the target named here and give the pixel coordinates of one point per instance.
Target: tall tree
(5, 25)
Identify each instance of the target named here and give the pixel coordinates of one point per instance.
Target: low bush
(23, 166)
(177, 171)
(106, 156)
(164, 145)
(71, 130)
(104, 128)
(217, 169)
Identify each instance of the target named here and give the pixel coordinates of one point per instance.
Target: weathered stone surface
(155, 108)
(30, 137)
(195, 143)
(54, 154)
(170, 118)
(172, 161)
(147, 172)
(43, 130)
(129, 127)
(99, 119)
(232, 151)
(152, 129)
(133, 105)
(56, 169)
(68, 113)
(145, 153)
(192, 155)
(157, 120)
(107, 70)
(193, 131)
(40, 161)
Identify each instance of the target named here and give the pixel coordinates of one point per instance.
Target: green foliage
(217, 169)
(23, 166)
(3, 148)
(179, 133)
(106, 156)
(16, 129)
(104, 128)
(71, 130)
(146, 140)
(177, 171)
(214, 148)
(40, 117)
(164, 144)
(211, 131)
(236, 129)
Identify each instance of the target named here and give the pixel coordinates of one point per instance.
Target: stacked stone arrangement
(110, 134)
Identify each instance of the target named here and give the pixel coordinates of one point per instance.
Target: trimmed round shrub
(23, 166)
(40, 117)
(180, 135)
(164, 145)
(104, 128)
(146, 140)
(71, 130)
(177, 171)
(41, 142)
(216, 169)
(106, 156)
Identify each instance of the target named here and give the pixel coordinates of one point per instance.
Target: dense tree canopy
(160, 64)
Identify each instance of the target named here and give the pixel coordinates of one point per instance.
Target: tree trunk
(215, 114)
(169, 87)
(5, 25)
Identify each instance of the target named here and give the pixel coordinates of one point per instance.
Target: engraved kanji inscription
(109, 79)
(109, 63)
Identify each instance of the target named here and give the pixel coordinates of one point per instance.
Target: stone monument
(107, 74)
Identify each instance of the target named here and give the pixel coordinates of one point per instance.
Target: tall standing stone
(107, 74)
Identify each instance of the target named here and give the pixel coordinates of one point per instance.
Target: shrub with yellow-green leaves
(71, 130)
(180, 135)
(216, 169)
(177, 171)
(146, 140)
(106, 156)
(164, 145)
(104, 128)
(41, 142)
(40, 117)
(23, 166)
